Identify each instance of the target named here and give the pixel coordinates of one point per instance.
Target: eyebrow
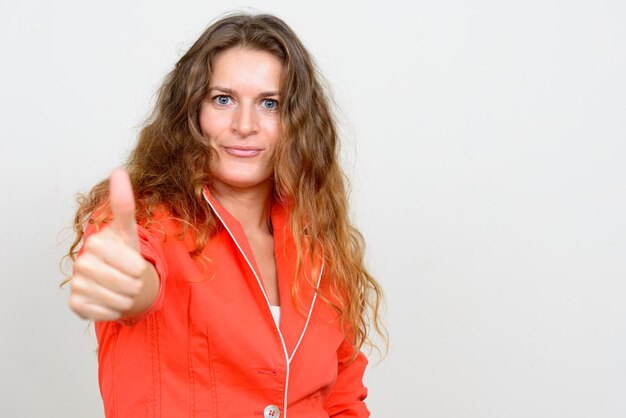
(230, 91)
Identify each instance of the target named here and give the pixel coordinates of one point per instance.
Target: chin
(244, 182)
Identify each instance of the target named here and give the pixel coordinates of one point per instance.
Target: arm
(347, 396)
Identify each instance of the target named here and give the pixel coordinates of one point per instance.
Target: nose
(244, 120)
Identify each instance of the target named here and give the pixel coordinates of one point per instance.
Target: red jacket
(209, 346)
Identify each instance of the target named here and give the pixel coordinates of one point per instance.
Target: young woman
(220, 266)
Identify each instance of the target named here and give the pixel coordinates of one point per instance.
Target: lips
(239, 151)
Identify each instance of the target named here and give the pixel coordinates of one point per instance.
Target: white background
(486, 143)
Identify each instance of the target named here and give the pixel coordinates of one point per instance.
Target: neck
(250, 206)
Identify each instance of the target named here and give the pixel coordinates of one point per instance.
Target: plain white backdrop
(486, 143)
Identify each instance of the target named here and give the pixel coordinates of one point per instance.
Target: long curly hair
(170, 164)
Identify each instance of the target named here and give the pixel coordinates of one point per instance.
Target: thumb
(123, 207)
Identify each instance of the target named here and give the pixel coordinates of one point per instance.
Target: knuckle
(142, 266)
(92, 243)
(83, 263)
(126, 303)
(138, 266)
(76, 304)
(72, 302)
(79, 264)
(96, 242)
(140, 285)
(112, 300)
(78, 285)
(134, 287)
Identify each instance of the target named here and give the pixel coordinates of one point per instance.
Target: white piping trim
(286, 391)
(308, 317)
(266, 300)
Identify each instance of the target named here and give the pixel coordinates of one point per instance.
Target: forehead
(246, 69)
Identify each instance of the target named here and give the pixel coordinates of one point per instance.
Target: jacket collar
(294, 317)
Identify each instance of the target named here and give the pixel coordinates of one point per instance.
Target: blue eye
(221, 100)
(270, 104)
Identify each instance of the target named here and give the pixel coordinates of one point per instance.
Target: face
(240, 117)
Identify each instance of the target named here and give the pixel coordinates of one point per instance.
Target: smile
(243, 151)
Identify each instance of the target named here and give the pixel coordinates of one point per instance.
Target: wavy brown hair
(170, 165)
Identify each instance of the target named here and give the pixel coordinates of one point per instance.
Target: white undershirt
(276, 313)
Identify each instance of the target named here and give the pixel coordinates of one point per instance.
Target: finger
(87, 310)
(123, 207)
(107, 276)
(93, 293)
(100, 313)
(109, 248)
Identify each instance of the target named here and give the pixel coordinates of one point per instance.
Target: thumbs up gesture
(111, 279)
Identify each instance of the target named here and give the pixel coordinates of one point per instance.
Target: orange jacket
(209, 346)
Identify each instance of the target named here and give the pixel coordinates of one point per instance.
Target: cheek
(273, 131)
(211, 125)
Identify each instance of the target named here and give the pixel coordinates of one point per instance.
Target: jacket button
(271, 411)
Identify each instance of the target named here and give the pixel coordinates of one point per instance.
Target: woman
(221, 268)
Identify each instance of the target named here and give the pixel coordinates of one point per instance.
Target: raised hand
(111, 279)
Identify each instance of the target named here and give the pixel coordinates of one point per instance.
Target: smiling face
(240, 117)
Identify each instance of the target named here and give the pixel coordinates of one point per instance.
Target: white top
(276, 314)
